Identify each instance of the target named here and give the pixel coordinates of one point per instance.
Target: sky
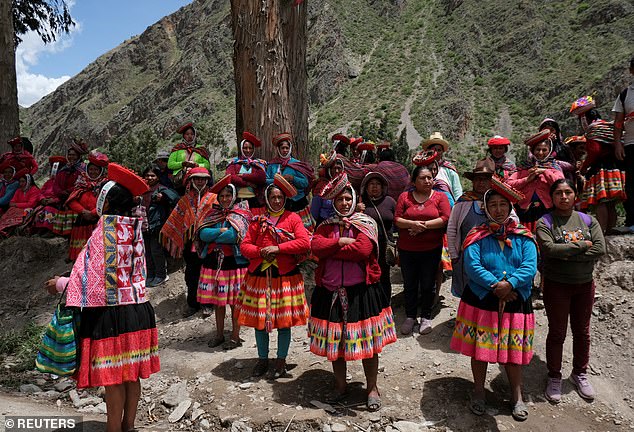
(100, 26)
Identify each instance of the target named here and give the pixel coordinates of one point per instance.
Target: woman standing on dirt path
(273, 289)
(218, 244)
(570, 243)
(350, 316)
(495, 321)
(118, 335)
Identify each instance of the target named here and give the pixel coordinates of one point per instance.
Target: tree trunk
(9, 120)
(269, 61)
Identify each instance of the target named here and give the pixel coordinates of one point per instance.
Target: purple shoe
(553, 390)
(584, 388)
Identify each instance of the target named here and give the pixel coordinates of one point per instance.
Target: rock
(326, 428)
(238, 426)
(226, 417)
(50, 394)
(204, 423)
(617, 340)
(374, 418)
(197, 412)
(30, 388)
(176, 394)
(180, 411)
(326, 407)
(239, 365)
(338, 427)
(74, 397)
(62, 386)
(40, 382)
(88, 401)
(407, 426)
(245, 386)
(101, 408)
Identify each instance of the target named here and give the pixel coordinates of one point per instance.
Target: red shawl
(184, 146)
(499, 231)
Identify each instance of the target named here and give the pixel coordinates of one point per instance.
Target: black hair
(387, 155)
(154, 168)
(120, 201)
(418, 169)
(506, 149)
(559, 182)
(592, 115)
(270, 189)
(341, 148)
(369, 158)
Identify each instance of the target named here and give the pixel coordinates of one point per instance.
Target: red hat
(221, 184)
(284, 136)
(355, 141)
(251, 138)
(425, 158)
(368, 146)
(334, 187)
(21, 173)
(384, 145)
(286, 188)
(498, 140)
(197, 172)
(97, 158)
(15, 141)
(539, 137)
(128, 179)
(341, 137)
(582, 105)
(57, 159)
(181, 130)
(507, 191)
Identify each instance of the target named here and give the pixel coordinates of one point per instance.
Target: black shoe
(261, 367)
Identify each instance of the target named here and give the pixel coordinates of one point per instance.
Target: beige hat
(436, 138)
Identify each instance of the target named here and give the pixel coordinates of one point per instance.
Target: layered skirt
(353, 325)
(79, 235)
(269, 300)
(220, 286)
(117, 344)
(605, 182)
(478, 333)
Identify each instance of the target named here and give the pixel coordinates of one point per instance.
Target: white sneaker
(425, 326)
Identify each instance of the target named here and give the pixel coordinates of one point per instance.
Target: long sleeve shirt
(566, 256)
(176, 159)
(9, 191)
(437, 206)
(26, 200)
(539, 186)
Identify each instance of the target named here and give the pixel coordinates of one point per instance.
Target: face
(161, 163)
(72, 156)
(93, 171)
(276, 199)
(7, 173)
(499, 208)
(225, 197)
(374, 188)
(434, 169)
(541, 150)
(199, 182)
(247, 149)
(481, 183)
(18, 148)
(564, 197)
(439, 149)
(498, 151)
(22, 182)
(343, 203)
(336, 170)
(189, 135)
(284, 149)
(151, 178)
(424, 181)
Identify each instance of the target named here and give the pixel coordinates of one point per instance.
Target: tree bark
(9, 115)
(270, 72)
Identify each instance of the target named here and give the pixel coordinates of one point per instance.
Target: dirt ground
(421, 380)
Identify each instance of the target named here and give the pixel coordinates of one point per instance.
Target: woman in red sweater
(351, 317)
(83, 201)
(272, 294)
(24, 200)
(421, 216)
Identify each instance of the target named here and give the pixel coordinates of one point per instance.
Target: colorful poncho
(110, 269)
(360, 221)
(499, 231)
(238, 216)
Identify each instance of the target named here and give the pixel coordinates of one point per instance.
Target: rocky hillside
(468, 68)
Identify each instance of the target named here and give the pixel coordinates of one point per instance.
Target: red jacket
(256, 179)
(324, 245)
(26, 200)
(289, 251)
(539, 186)
(86, 201)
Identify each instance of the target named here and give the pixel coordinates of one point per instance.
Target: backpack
(622, 97)
(548, 219)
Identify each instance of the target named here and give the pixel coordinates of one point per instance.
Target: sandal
(217, 341)
(260, 368)
(278, 371)
(478, 406)
(520, 411)
(232, 344)
(336, 397)
(374, 403)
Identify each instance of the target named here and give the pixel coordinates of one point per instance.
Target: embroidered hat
(425, 158)
(334, 187)
(341, 137)
(280, 138)
(355, 141)
(97, 158)
(507, 191)
(79, 146)
(435, 138)
(287, 189)
(57, 159)
(582, 105)
(537, 138)
(367, 146)
(197, 172)
(575, 140)
(181, 130)
(484, 167)
(221, 184)
(127, 178)
(384, 145)
(248, 136)
(498, 140)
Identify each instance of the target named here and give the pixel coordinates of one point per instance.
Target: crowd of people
(243, 239)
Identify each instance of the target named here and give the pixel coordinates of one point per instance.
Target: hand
(51, 285)
(87, 215)
(269, 252)
(289, 178)
(619, 151)
(360, 207)
(512, 296)
(588, 242)
(158, 197)
(224, 229)
(190, 164)
(502, 288)
(344, 241)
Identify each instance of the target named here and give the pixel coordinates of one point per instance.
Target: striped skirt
(307, 219)
(220, 286)
(477, 333)
(117, 344)
(79, 235)
(269, 300)
(606, 184)
(353, 328)
(63, 222)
